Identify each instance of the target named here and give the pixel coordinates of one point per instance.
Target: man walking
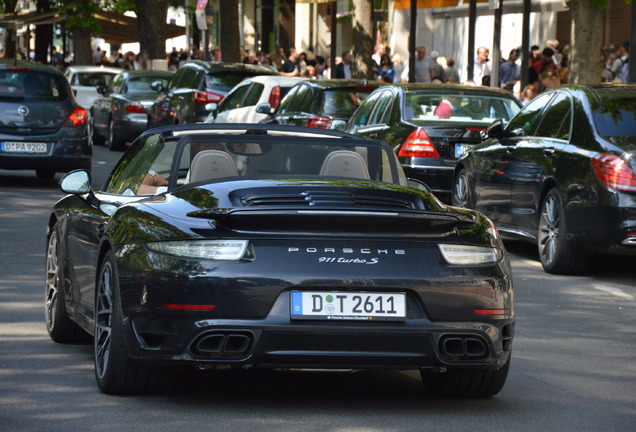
(422, 67)
(509, 72)
(343, 69)
(291, 67)
(481, 69)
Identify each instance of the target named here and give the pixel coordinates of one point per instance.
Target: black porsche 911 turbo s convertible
(220, 246)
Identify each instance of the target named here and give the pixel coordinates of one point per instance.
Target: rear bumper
(279, 342)
(438, 178)
(62, 155)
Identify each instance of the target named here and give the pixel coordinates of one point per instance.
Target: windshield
(19, 84)
(214, 158)
(92, 79)
(141, 85)
(458, 107)
(224, 81)
(616, 117)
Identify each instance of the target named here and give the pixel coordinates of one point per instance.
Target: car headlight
(470, 255)
(218, 250)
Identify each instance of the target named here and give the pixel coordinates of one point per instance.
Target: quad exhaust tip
(463, 347)
(224, 344)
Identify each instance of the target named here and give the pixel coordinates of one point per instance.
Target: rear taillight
(418, 144)
(204, 97)
(274, 97)
(77, 118)
(318, 122)
(613, 172)
(135, 107)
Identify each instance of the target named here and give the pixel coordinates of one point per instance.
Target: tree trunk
(230, 36)
(585, 62)
(82, 47)
(151, 25)
(43, 34)
(362, 65)
(10, 33)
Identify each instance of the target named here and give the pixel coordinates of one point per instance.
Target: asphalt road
(573, 365)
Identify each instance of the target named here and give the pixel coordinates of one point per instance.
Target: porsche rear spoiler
(337, 221)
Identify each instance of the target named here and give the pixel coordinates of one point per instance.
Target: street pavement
(572, 369)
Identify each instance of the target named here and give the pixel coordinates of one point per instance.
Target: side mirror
(76, 182)
(213, 107)
(157, 86)
(339, 125)
(496, 129)
(264, 108)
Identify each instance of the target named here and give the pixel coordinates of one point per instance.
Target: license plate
(23, 147)
(460, 149)
(336, 305)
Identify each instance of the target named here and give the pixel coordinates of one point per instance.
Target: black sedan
(120, 114)
(220, 246)
(561, 174)
(430, 126)
(319, 103)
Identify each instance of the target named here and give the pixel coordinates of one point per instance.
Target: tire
(58, 324)
(461, 192)
(45, 173)
(115, 372)
(95, 136)
(556, 255)
(463, 382)
(114, 143)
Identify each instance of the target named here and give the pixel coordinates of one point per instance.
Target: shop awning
(115, 28)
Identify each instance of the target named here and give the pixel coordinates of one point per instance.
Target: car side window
(301, 100)
(116, 84)
(524, 123)
(175, 82)
(253, 94)
(556, 120)
(287, 100)
(379, 114)
(361, 116)
(188, 79)
(235, 98)
(151, 154)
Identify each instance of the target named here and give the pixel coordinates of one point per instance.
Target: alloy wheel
(52, 281)
(460, 191)
(549, 230)
(103, 319)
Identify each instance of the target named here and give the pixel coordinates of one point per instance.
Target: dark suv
(196, 84)
(41, 125)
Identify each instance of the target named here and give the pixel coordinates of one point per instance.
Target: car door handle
(549, 151)
(373, 136)
(510, 150)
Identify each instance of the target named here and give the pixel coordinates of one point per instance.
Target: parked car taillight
(418, 144)
(613, 172)
(135, 107)
(318, 122)
(205, 97)
(77, 118)
(274, 97)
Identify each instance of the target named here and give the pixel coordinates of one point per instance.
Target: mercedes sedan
(561, 174)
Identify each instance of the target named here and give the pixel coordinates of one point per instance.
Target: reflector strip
(188, 307)
(492, 311)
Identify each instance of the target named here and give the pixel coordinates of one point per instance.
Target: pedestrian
(343, 69)
(550, 79)
(437, 71)
(481, 70)
(529, 92)
(508, 71)
(624, 76)
(422, 67)
(291, 67)
(386, 72)
(97, 56)
(451, 74)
